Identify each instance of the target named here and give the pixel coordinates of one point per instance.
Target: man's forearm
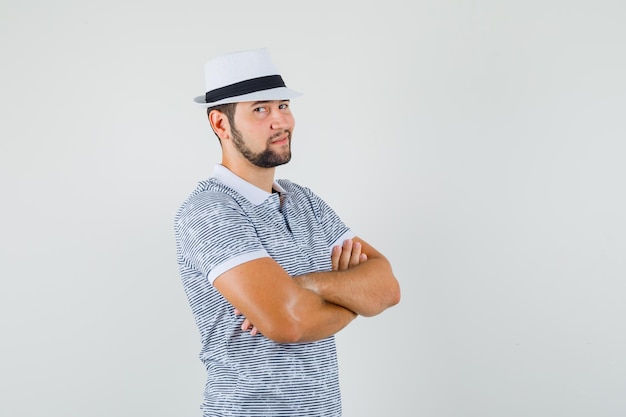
(323, 321)
(367, 289)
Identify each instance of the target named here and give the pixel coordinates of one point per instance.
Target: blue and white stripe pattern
(225, 222)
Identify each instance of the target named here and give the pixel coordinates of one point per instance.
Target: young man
(271, 272)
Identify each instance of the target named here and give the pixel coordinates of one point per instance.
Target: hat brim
(279, 93)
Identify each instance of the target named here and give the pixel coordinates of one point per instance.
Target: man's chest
(294, 237)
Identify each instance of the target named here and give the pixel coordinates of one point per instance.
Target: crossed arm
(314, 306)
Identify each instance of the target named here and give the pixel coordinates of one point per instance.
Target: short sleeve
(214, 235)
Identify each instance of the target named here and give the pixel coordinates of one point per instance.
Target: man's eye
(284, 106)
(259, 109)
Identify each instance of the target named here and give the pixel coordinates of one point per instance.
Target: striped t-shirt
(225, 222)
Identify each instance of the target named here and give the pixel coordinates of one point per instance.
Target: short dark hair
(228, 109)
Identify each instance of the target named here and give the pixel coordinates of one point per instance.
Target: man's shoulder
(213, 189)
(300, 192)
(209, 194)
(292, 187)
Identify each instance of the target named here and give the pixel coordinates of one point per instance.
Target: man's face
(262, 132)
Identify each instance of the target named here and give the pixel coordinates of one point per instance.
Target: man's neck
(257, 176)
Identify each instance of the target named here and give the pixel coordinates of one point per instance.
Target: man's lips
(280, 140)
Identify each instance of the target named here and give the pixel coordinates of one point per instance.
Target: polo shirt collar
(251, 192)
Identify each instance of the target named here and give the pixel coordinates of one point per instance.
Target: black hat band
(245, 87)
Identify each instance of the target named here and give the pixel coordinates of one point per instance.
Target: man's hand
(342, 258)
(246, 325)
(346, 256)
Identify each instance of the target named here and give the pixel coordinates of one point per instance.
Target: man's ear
(219, 124)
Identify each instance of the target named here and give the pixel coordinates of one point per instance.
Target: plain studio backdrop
(478, 144)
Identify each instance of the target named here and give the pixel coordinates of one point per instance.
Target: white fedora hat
(243, 76)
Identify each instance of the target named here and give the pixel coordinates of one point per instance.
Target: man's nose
(280, 120)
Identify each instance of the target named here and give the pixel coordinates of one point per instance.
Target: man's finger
(246, 325)
(356, 254)
(346, 254)
(334, 257)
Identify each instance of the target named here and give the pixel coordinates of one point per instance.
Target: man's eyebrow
(256, 103)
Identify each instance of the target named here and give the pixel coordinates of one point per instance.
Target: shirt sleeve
(214, 235)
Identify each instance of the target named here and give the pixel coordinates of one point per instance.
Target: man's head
(258, 131)
(248, 106)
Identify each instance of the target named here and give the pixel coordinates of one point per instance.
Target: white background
(478, 144)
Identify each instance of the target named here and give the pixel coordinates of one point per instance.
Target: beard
(267, 158)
